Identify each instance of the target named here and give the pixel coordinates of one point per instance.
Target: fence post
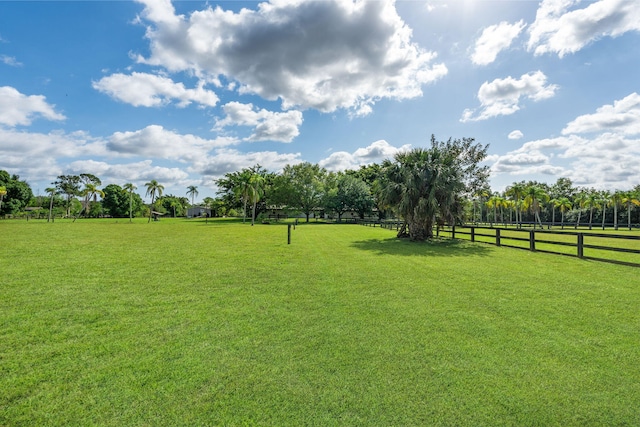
(288, 234)
(497, 237)
(532, 240)
(580, 245)
(453, 231)
(473, 234)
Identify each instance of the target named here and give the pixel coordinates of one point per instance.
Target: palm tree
(495, 202)
(244, 189)
(90, 191)
(580, 201)
(592, 202)
(3, 192)
(615, 200)
(630, 198)
(534, 195)
(516, 192)
(564, 204)
(153, 189)
(193, 192)
(51, 191)
(257, 182)
(130, 188)
(605, 197)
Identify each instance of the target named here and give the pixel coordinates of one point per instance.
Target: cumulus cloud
(623, 117)
(562, 29)
(493, 40)
(516, 134)
(127, 172)
(267, 125)
(149, 90)
(377, 151)
(324, 55)
(19, 109)
(502, 97)
(37, 156)
(227, 160)
(156, 142)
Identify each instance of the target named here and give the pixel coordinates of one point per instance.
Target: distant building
(198, 211)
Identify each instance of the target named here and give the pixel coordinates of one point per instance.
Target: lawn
(179, 322)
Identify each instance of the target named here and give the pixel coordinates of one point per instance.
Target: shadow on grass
(436, 247)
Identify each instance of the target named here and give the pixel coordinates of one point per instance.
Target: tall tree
(130, 188)
(257, 184)
(427, 185)
(70, 186)
(564, 204)
(51, 191)
(301, 187)
(580, 202)
(3, 192)
(615, 200)
(18, 193)
(605, 198)
(90, 191)
(534, 196)
(348, 193)
(630, 198)
(192, 191)
(516, 191)
(153, 189)
(592, 202)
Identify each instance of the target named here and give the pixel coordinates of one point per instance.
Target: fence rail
(597, 247)
(612, 248)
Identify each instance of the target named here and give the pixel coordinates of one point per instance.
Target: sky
(183, 92)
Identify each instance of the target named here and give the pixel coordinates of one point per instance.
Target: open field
(185, 323)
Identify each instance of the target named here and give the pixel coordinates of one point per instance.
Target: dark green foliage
(428, 185)
(18, 193)
(116, 202)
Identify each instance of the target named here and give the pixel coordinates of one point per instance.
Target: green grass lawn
(179, 322)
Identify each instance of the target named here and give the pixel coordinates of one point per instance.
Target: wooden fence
(613, 248)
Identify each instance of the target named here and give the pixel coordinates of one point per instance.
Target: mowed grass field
(179, 322)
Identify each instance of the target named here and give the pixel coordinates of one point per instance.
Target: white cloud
(156, 142)
(268, 125)
(377, 151)
(149, 90)
(493, 40)
(623, 116)
(127, 172)
(324, 55)
(502, 97)
(10, 60)
(227, 160)
(18, 109)
(516, 134)
(560, 30)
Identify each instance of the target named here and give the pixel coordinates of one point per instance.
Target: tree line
(443, 183)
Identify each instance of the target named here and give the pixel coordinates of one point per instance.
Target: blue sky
(185, 92)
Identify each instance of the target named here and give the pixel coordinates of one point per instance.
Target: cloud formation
(502, 97)
(607, 159)
(557, 29)
(516, 134)
(267, 125)
(493, 40)
(156, 142)
(149, 90)
(621, 117)
(18, 109)
(375, 152)
(325, 55)
(10, 60)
